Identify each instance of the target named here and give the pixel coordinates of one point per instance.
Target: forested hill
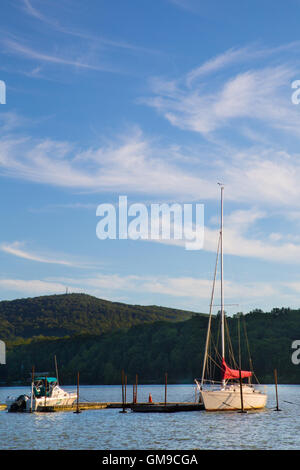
(73, 314)
(100, 338)
(152, 349)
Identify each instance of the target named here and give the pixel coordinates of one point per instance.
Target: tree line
(151, 349)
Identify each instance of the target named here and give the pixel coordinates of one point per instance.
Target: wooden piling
(241, 392)
(45, 389)
(32, 381)
(166, 384)
(277, 403)
(136, 385)
(122, 380)
(123, 393)
(77, 402)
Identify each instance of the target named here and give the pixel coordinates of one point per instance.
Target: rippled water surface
(110, 429)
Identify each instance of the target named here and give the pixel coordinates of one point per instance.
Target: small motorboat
(45, 392)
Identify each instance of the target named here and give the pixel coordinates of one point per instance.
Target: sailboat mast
(222, 282)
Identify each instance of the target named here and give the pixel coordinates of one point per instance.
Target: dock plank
(165, 407)
(146, 407)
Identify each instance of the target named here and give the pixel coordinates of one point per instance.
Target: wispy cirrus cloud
(19, 48)
(131, 167)
(247, 97)
(54, 23)
(61, 46)
(220, 61)
(242, 93)
(247, 57)
(18, 249)
(133, 164)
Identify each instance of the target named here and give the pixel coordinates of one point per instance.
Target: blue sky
(157, 101)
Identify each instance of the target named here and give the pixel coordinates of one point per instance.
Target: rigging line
(239, 341)
(256, 378)
(216, 364)
(248, 348)
(210, 309)
(217, 354)
(213, 381)
(230, 345)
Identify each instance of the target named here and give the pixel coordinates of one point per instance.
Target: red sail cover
(228, 373)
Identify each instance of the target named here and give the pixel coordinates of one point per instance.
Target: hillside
(150, 350)
(72, 314)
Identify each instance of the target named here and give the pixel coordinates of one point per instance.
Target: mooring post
(122, 380)
(123, 401)
(32, 381)
(126, 390)
(136, 385)
(277, 403)
(241, 392)
(77, 402)
(166, 384)
(123, 394)
(45, 389)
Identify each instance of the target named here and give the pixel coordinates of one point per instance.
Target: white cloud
(16, 249)
(190, 290)
(213, 104)
(25, 51)
(93, 39)
(137, 165)
(33, 286)
(219, 62)
(274, 247)
(133, 165)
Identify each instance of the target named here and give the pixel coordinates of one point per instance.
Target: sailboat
(231, 394)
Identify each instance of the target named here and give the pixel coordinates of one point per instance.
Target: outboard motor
(19, 404)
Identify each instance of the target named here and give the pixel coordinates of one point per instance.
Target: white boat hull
(230, 399)
(59, 398)
(40, 403)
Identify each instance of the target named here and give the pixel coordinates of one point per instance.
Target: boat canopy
(49, 379)
(228, 373)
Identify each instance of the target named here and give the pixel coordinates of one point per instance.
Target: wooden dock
(136, 407)
(81, 406)
(165, 407)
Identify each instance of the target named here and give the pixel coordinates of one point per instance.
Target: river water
(109, 429)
